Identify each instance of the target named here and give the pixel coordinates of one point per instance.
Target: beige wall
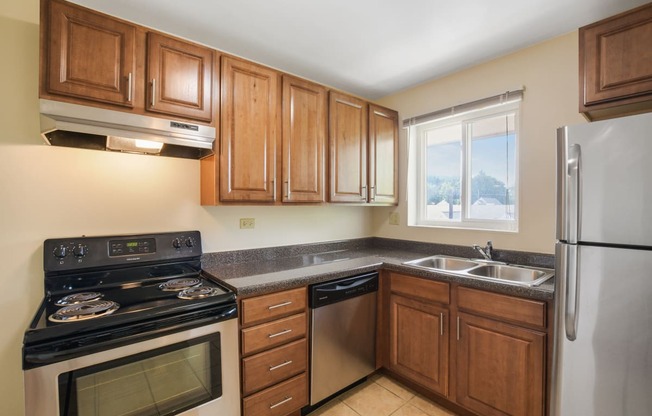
(549, 73)
(57, 192)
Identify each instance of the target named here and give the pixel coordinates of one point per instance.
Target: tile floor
(380, 396)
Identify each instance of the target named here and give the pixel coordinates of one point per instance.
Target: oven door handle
(49, 353)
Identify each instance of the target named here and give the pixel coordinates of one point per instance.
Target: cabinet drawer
(269, 367)
(272, 334)
(526, 311)
(281, 399)
(268, 307)
(420, 288)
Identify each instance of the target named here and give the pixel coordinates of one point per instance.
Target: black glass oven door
(164, 381)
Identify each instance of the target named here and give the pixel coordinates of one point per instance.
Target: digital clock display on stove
(131, 247)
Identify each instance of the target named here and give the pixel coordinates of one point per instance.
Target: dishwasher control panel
(338, 290)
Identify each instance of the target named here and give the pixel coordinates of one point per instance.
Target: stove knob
(176, 243)
(60, 251)
(80, 250)
(189, 242)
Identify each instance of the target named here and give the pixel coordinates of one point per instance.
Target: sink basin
(484, 269)
(516, 274)
(443, 263)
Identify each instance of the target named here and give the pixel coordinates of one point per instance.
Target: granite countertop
(261, 271)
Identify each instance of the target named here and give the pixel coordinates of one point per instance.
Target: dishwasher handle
(331, 292)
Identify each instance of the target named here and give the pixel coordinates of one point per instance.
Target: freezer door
(603, 365)
(604, 182)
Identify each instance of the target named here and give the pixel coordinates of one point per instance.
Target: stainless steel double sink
(484, 269)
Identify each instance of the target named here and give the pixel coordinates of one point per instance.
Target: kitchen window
(463, 166)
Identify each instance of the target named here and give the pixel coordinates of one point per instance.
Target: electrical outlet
(247, 223)
(393, 218)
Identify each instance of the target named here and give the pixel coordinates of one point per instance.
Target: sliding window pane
(492, 165)
(443, 173)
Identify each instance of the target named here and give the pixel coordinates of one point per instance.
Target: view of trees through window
(489, 165)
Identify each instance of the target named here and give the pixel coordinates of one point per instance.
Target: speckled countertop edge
(261, 271)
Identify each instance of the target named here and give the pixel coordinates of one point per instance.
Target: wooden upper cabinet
(305, 105)
(179, 77)
(383, 155)
(348, 148)
(500, 368)
(89, 55)
(249, 124)
(616, 64)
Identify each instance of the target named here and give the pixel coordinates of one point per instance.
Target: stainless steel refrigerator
(602, 357)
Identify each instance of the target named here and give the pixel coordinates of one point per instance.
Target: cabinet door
(418, 343)
(90, 55)
(500, 368)
(615, 58)
(383, 155)
(249, 123)
(348, 148)
(304, 140)
(179, 78)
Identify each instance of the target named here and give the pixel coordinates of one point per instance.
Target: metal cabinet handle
(441, 323)
(153, 91)
(280, 305)
(278, 334)
(274, 367)
(287, 189)
(287, 399)
(373, 193)
(129, 85)
(458, 328)
(363, 193)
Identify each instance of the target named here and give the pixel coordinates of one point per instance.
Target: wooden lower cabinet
(481, 351)
(419, 342)
(500, 368)
(274, 352)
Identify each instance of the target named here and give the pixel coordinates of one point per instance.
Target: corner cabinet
(88, 55)
(616, 65)
(304, 114)
(383, 155)
(249, 125)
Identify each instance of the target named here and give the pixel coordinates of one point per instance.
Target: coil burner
(77, 298)
(183, 283)
(87, 310)
(198, 292)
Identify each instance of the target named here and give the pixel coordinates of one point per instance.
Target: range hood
(72, 125)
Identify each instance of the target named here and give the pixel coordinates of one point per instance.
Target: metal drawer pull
(272, 368)
(279, 305)
(441, 323)
(287, 399)
(278, 334)
(458, 328)
(153, 91)
(129, 85)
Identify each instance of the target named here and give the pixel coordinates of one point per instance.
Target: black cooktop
(150, 290)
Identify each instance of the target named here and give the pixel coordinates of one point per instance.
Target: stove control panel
(66, 254)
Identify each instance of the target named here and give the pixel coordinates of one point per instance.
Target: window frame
(417, 174)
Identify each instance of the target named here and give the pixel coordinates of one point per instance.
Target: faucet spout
(485, 252)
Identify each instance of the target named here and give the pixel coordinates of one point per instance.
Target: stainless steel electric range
(131, 326)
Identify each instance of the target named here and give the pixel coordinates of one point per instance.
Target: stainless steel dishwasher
(343, 329)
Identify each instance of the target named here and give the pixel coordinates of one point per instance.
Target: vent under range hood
(72, 125)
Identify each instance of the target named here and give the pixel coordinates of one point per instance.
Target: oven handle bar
(44, 355)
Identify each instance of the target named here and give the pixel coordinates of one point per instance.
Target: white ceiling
(368, 47)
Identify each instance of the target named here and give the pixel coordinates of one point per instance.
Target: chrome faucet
(486, 252)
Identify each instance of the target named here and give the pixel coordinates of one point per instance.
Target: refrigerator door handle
(574, 171)
(572, 301)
